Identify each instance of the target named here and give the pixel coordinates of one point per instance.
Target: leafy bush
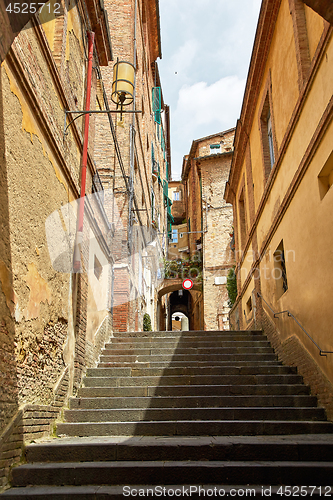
(146, 323)
(183, 269)
(232, 286)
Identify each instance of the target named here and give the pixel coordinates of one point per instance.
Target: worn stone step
(188, 357)
(292, 448)
(189, 333)
(196, 414)
(116, 351)
(191, 402)
(193, 428)
(216, 370)
(197, 492)
(195, 390)
(195, 364)
(188, 341)
(163, 473)
(191, 380)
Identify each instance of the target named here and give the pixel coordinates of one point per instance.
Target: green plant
(232, 286)
(146, 323)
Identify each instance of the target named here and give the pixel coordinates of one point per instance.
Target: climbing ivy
(232, 286)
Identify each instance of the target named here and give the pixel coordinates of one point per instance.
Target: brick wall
(293, 353)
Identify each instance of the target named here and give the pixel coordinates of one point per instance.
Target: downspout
(79, 231)
(69, 348)
(132, 139)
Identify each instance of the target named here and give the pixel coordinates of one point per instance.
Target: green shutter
(156, 98)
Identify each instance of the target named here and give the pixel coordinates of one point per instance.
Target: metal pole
(79, 232)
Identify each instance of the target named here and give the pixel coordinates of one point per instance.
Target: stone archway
(194, 311)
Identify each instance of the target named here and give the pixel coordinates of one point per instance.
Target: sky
(206, 51)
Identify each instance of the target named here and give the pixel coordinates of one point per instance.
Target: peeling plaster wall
(40, 173)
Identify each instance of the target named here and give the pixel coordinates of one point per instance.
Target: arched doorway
(189, 303)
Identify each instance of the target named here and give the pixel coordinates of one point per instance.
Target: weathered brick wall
(293, 353)
(147, 137)
(218, 256)
(40, 362)
(40, 173)
(94, 349)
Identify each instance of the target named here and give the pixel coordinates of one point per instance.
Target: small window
(249, 306)
(97, 268)
(280, 271)
(215, 148)
(176, 195)
(325, 178)
(181, 235)
(270, 139)
(175, 236)
(267, 134)
(242, 219)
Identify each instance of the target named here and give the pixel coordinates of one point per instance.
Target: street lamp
(123, 84)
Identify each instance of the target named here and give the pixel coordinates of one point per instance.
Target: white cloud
(202, 110)
(206, 46)
(202, 103)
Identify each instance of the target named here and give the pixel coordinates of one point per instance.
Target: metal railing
(276, 314)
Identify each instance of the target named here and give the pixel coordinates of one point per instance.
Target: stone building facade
(280, 187)
(137, 168)
(210, 221)
(54, 320)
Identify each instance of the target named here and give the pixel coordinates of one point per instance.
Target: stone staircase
(170, 409)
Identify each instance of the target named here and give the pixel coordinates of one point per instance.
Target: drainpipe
(79, 232)
(132, 137)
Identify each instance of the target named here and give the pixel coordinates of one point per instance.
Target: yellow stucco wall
(305, 227)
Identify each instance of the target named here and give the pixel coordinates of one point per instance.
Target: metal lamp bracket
(82, 113)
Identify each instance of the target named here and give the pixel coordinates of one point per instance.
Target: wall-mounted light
(123, 84)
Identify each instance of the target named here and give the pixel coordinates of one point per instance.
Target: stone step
(195, 492)
(195, 390)
(171, 472)
(135, 371)
(191, 380)
(187, 357)
(194, 428)
(116, 351)
(292, 448)
(188, 341)
(195, 414)
(195, 364)
(191, 402)
(190, 333)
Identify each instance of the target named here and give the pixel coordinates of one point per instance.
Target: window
(176, 195)
(266, 126)
(97, 268)
(280, 271)
(270, 139)
(156, 101)
(325, 178)
(242, 218)
(215, 148)
(175, 236)
(249, 306)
